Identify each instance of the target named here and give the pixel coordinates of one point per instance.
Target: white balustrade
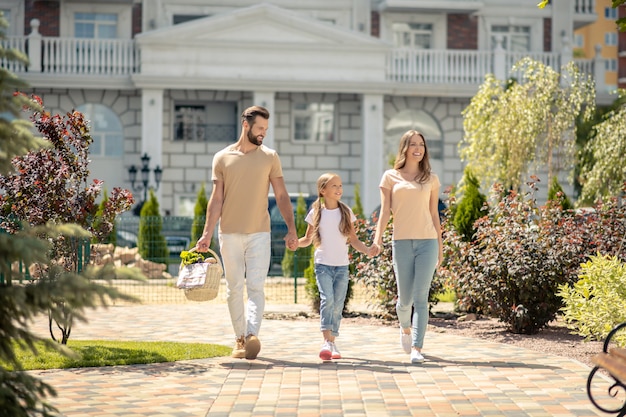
(120, 57)
(89, 56)
(16, 43)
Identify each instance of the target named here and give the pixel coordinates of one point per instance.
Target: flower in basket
(193, 257)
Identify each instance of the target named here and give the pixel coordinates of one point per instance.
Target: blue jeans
(414, 263)
(246, 259)
(332, 282)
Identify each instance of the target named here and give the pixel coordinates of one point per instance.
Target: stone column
(152, 130)
(34, 47)
(372, 156)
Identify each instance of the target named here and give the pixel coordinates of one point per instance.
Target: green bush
(199, 215)
(521, 254)
(556, 193)
(111, 237)
(310, 286)
(470, 207)
(301, 254)
(595, 304)
(150, 241)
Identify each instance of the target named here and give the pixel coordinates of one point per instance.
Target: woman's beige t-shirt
(246, 179)
(410, 206)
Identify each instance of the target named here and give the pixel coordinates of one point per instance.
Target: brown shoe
(239, 351)
(252, 346)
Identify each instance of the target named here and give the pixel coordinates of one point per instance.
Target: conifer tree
(556, 193)
(469, 209)
(21, 393)
(199, 215)
(150, 241)
(301, 254)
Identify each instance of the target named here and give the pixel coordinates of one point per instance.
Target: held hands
(373, 250)
(291, 241)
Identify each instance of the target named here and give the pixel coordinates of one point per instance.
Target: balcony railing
(17, 43)
(89, 56)
(121, 57)
(469, 67)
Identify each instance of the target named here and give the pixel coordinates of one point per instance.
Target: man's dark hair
(251, 113)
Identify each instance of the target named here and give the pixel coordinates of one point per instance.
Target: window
(413, 35)
(610, 38)
(106, 131)
(313, 122)
(6, 13)
(610, 13)
(610, 65)
(410, 119)
(514, 38)
(579, 41)
(205, 122)
(95, 25)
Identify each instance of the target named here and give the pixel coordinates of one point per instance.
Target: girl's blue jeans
(332, 283)
(414, 263)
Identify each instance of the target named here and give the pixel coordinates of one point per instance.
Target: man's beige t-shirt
(410, 206)
(246, 180)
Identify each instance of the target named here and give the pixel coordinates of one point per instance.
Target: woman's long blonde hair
(424, 165)
(345, 225)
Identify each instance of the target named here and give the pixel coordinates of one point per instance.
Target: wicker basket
(211, 287)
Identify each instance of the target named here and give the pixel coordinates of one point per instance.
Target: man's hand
(291, 241)
(203, 243)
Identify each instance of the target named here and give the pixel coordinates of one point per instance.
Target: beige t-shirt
(410, 206)
(246, 186)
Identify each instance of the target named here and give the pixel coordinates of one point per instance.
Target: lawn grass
(92, 353)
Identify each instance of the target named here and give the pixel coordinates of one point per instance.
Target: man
(242, 174)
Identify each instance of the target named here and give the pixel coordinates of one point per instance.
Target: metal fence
(162, 269)
(156, 251)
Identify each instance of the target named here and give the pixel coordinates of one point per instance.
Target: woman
(411, 192)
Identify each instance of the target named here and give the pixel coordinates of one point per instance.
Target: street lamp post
(145, 177)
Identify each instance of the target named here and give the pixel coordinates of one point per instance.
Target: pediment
(261, 24)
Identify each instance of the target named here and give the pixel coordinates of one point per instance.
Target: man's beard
(253, 139)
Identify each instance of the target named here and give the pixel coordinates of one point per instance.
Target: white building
(343, 79)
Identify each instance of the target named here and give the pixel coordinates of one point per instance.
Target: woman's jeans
(246, 259)
(332, 282)
(414, 263)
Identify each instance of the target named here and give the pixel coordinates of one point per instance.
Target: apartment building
(600, 38)
(343, 79)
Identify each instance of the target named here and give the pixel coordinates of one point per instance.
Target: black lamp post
(145, 176)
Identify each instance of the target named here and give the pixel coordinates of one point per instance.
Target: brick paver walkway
(461, 376)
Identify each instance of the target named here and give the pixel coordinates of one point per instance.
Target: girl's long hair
(424, 164)
(345, 225)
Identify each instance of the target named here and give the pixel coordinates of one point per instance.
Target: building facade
(343, 79)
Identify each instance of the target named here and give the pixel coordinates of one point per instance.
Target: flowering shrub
(49, 186)
(520, 256)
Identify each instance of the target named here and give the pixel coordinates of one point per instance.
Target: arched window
(106, 130)
(419, 120)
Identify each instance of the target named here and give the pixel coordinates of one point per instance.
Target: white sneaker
(416, 357)
(335, 352)
(326, 353)
(406, 341)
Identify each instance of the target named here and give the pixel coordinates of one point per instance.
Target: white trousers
(246, 259)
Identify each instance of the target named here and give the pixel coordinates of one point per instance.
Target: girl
(330, 229)
(411, 192)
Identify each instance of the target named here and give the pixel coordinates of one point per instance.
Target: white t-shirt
(333, 249)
